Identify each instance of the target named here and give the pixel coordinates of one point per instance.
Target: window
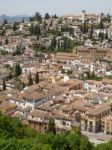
(91, 123)
(64, 123)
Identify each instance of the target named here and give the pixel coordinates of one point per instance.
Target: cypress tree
(30, 80)
(106, 35)
(38, 32)
(101, 25)
(14, 26)
(91, 32)
(84, 27)
(5, 21)
(4, 85)
(102, 36)
(17, 70)
(37, 78)
(32, 29)
(10, 75)
(23, 85)
(23, 21)
(65, 44)
(18, 50)
(53, 44)
(108, 18)
(51, 127)
(6, 41)
(37, 17)
(93, 75)
(47, 16)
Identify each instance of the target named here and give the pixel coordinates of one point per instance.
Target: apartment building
(92, 120)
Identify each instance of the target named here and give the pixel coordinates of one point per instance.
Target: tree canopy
(18, 70)
(30, 80)
(16, 136)
(37, 78)
(4, 85)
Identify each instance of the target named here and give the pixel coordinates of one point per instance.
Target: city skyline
(62, 7)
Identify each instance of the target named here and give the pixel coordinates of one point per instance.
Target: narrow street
(97, 138)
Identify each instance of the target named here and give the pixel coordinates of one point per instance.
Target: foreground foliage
(15, 136)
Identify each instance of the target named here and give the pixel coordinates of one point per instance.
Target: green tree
(30, 80)
(31, 19)
(67, 45)
(37, 31)
(5, 21)
(18, 50)
(16, 136)
(59, 142)
(91, 32)
(53, 44)
(84, 27)
(37, 16)
(37, 78)
(47, 16)
(108, 18)
(85, 144)
(10, 75)
(106, 35)
(18, 70)
(93, 76)
(23, 21)
(101, 25)
(3, 32)
(23, 85)
(101, 36)
(4, 85)
(55, 16)
(51, 127)
(14, 26)
(31, 28)
(6, 41)
(13, 128)
(74, 141)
